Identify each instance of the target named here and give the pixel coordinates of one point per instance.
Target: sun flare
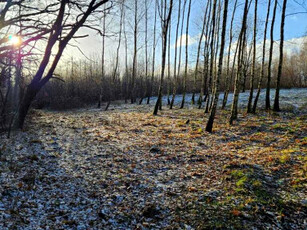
(15, 40)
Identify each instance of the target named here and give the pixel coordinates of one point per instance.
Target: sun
(15, 40)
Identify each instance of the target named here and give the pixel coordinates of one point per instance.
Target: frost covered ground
(290, 99)
(127, 169)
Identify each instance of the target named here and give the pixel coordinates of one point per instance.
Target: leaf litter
(128, 169)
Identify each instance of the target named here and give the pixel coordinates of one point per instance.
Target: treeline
(81, 85)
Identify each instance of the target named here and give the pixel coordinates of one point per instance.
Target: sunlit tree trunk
(198, 54)
(250, 99)
(206, 57)
(246, 65)
(186, 56)
(165, 18)
(220, 68)
(281, 53)
(263, 58)
(241, 40)
(212, 51)
(180, 48)
(169, 64)
(217, 44)
(228, 78)
(267, 95)
(153, 56)
(102, 61)
(175, 56)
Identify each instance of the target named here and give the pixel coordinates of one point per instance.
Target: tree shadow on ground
(253, 202)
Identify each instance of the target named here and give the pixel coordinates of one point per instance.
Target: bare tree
(220, 68)
(146, 51)
(177, 72)
(206, 58)
(175, 57)
(115, 71)
(212, 51)
(268, 88)
(281, 54)
(135, 50)
(169, 63)
(263, 58)
(102, 60)
(186, 56)
(153, 54)
(242, 45)
(198, 53)
(228, 78)
(250, 99)
(126, 75)
(57, 34)
(165, 13)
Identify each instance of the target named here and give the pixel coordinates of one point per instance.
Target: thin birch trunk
(165, 17)
(281, 53)
(268, 88)
(250, 99)
(175, 61)
(198, 54)
(153, 56)
(263, 58)
(241, 40)
(186, 56)
(220, 68)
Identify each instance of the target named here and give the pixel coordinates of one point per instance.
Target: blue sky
(296, 26)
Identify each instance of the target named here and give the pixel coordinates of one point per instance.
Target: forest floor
(128, 169)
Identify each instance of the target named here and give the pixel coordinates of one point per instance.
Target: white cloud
(291, 47)
(191, 41)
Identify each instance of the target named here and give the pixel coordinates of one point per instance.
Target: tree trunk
(281, 53)
(263, 58)
(38, 80)
(102, 61)
(126, 86)
(227, 80)
(176, 46)
(146, 53)
(113, 80)
(250, 99)
(220, 68)
(212, 52)
(198, 54)
(165, 18)
(169, 65)
(217, 40)
(186, 57)
(135, 49)
(153, 56)
(242, 36)
(267, 96)
(206, 47)
(175, 61)
(25, 105)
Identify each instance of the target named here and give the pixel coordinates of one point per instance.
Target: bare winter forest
(153, 114)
